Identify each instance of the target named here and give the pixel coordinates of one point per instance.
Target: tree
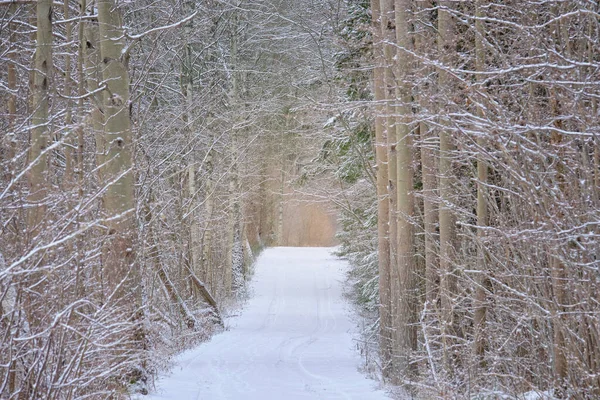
(388, 36)
(406, 312)
(483, 282)
(119, 197)
(447, 220)
(383, 203)
(40, 131)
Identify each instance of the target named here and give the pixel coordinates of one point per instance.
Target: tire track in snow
(290, 342)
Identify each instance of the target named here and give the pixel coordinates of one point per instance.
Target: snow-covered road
(293, 339)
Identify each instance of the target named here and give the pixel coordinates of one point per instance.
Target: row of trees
(141, 144)
(486, 156)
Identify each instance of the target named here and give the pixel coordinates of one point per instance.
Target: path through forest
(293, 339)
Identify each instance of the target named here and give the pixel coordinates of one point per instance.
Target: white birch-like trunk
(119, 198)
(40, 130)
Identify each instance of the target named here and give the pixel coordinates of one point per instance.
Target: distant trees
(488, 111)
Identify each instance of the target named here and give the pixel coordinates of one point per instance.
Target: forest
(150, 150)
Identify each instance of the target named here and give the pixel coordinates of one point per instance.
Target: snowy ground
(293, 339)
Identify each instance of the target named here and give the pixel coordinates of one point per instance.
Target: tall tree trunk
(209, 199)
(91, 53)
(187, 83)
(406, 316)
(383, 202)
(558, 270)
(233, 225)
(10, 148)
(447, 218)
(70, 147)
(279, 235)
(119, 197)
(40, 131)
(483, 283)
(38, 173)
(80, 141)
(9, 138)
(429, 174)
(231, 229)
(389, 37)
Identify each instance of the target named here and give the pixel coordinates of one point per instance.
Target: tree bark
(389, 37)
(187, 83)
(91, 52)
(429, 172)
(383, 202)
(447, 218)
(406, 317)
(9, 139)
(207, 296)
(483, 282)
(40, 131)
(206, 261)
(70, 139)
(119, 196)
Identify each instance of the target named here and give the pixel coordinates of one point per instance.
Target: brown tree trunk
(389, 36)
(483, 282)
(429, 172)
(383, 202)
(446, 43)
(209, 199)
(9, 139)
(406, 316)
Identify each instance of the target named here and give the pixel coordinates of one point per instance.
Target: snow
(533, 395)
(293, 340)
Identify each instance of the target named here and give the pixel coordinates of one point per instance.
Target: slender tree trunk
(233, 225)
(383, 202)
(483, 283)
(206, 296)
(429, 174)
(91, 51)
(9, 138)
(406, 317)
(187, 83)
(557, 267)
(389, 37)
(280, 240)
(231, 232)
(209, 199)
(37, 198)
(447, 218)
(70, 148)
(80, 141)
(10, 145)
(40, 131)
(119, 197)
(195, 245)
